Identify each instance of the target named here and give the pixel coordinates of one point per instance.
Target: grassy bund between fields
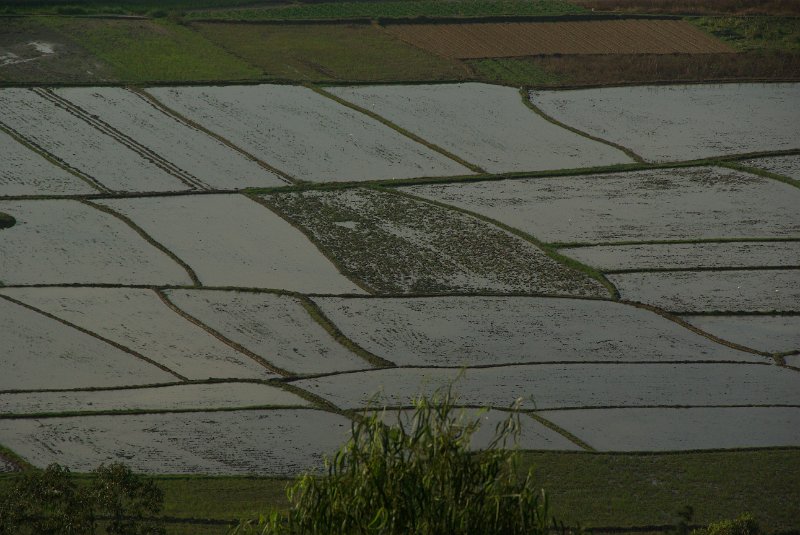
(323, 44)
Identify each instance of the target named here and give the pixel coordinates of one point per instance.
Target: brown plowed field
(511, 39)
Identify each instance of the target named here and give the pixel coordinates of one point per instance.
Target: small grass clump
(418, 476)
(6, 220)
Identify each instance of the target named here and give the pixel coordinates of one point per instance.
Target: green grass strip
(399, 129)
(761, 172)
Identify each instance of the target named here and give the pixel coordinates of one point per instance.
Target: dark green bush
(744, 525)
(417, 476)
(6, 221)
(50, 502)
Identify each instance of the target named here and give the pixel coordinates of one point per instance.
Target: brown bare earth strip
(95, 335)
(517, 39)
(149, 239)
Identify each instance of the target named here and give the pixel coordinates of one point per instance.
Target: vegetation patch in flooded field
(399, 245)
(728, 291)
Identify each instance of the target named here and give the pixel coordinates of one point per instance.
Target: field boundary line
(560, 430)
(54, 160)
(699, 269)
(397, 128)
(319, 317)
(139, 411)
(552, 253)
(14, 459)
(108, 341)
(260, 199)
(676, 318)
(576, 245)
(166, 110)
(526, 100)
(123, 139)
(735, 165)
(219, 336)
(144, 235)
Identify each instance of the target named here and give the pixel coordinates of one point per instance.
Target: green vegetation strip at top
(395, 9)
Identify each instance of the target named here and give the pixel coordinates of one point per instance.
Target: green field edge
(701, 269)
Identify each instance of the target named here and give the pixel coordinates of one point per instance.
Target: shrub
(417, 476)
(6, 221)
(50, 502)
(744, 525)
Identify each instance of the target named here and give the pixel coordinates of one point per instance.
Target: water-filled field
(219, 280)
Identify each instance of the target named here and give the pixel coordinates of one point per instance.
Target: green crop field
(329, 52)
(152, 50)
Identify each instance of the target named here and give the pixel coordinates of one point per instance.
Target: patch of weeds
(396, 244)
(754, 33)
(519, 72)
(7, 220)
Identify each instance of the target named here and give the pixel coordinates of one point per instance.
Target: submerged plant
(416, 476)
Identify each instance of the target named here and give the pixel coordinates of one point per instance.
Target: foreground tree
(418, 476)
(50, 502)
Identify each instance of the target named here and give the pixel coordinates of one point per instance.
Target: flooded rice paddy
(155, 311)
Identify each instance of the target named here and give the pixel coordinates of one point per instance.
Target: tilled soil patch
(510, 39)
